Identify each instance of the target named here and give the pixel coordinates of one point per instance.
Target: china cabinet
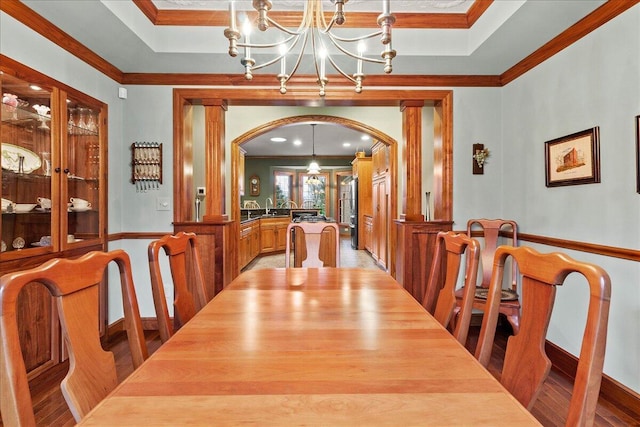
(53, 153)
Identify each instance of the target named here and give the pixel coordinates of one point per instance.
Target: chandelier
(315, 30)
(314, 167)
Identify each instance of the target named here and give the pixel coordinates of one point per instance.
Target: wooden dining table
(327, 347)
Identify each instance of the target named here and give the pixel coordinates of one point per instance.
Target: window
(283, 188)
(313, 194)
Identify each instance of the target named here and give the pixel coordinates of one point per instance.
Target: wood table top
(311, 347)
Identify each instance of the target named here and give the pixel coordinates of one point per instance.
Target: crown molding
(218, 18)
(40, 25)
(592, 21)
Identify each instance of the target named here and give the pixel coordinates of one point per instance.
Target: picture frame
(638, 154)
(573, 159)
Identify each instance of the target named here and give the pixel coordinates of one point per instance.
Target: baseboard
(611, 390)
(148, 324)
(115, 327)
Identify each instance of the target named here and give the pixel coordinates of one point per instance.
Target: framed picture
(638, 154)
(573, 159)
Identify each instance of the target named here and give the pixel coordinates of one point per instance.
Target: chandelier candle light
(313, 27)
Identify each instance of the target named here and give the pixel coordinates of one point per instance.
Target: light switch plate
(163, 204)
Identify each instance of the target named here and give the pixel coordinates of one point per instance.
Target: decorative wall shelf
(146, 165)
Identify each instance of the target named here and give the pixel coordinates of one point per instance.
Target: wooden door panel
(37, 327)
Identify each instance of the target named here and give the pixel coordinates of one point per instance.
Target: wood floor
(550, 409)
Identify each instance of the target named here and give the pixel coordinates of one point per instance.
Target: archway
(303, 119)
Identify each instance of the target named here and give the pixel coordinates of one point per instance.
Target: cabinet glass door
(81, 164)
(25, 137)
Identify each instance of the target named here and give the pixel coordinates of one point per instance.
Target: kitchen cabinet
(380, 232)
(380, 156)
(267, 237)
(273, 234)
(381, 204)
(249, 246)
(53, 153)
(368, 232)
(361, 169)
(281, 235)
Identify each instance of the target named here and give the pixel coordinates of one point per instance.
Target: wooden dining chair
(189, 291)
(526, 365)
(74, 285)
(290, 204)
(251, 204)
(490, 233)
(312, 237)
(440, 294)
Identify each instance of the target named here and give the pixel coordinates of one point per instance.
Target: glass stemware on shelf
(82, 121)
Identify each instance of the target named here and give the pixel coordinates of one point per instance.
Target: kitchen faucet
(266, 205)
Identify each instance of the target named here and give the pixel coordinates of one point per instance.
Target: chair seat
(481, 293)
(506, 294)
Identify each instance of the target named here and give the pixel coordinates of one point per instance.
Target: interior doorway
(217, 100)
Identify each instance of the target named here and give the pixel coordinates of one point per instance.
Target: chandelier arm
(339, 70)
(353, 55)
(299, 59)
(315, 53)
(355, 39)
(267, 45)
(321, 23)
(295, 39)
(266, 64)
(300, 31)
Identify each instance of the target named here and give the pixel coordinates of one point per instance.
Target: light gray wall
(593, 83)
(477, 120)
(427, 158)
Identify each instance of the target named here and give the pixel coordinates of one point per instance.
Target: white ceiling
(506, 33)
(329, 141)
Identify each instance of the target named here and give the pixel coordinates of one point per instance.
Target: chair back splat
(526, 365)
(489, 230)
(190, 294)
(313, 233)
(74, 285)
(440, 295)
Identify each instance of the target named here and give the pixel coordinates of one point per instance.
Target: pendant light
(313, 168)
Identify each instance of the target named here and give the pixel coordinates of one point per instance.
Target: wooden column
(217, 246)
(416, 244)
(214, 116)
(412, 160)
